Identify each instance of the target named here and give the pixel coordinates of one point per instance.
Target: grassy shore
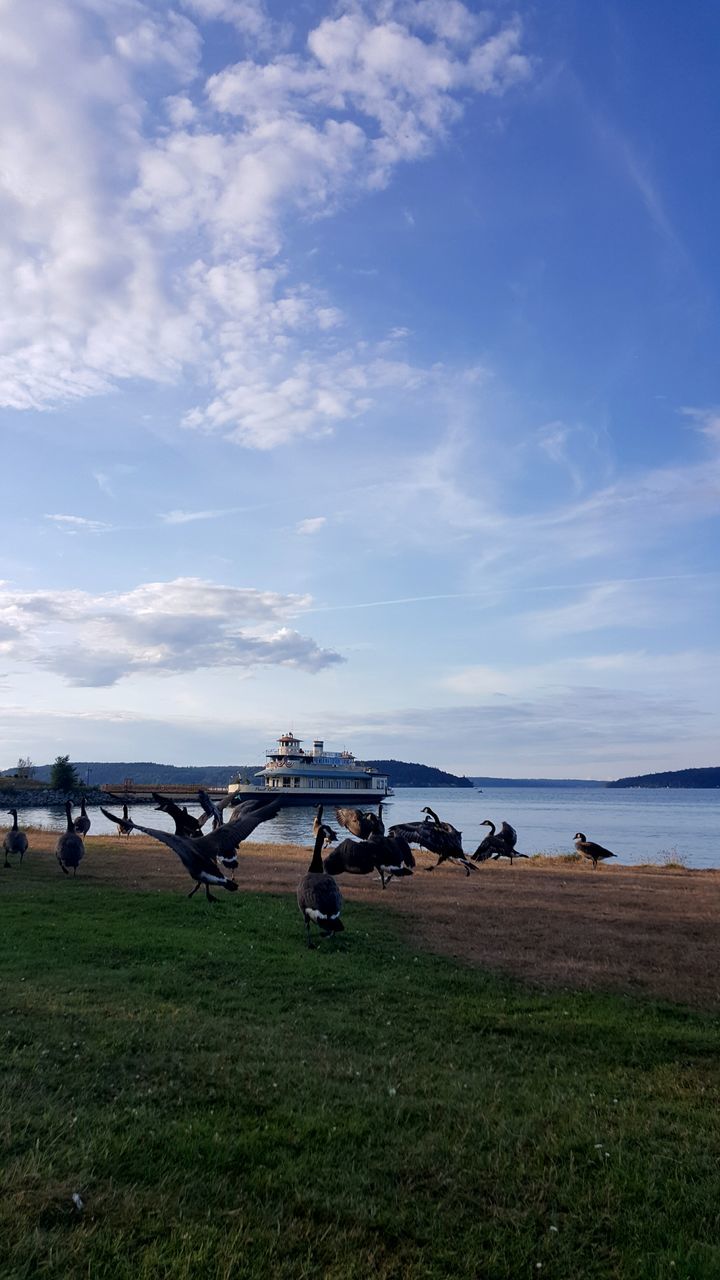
(228, 1104)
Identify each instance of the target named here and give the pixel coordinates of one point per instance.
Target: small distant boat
(298, 777)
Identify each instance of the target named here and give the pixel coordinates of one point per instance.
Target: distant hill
(539, 782)
(673, 778)
(101, 773)
(402, 774)
(145, 771)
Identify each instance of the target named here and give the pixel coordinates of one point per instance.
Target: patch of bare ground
(645, 931)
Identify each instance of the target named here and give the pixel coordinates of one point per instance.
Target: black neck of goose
(432, 815)
(68, 810)
(317, 864)
(14, 818)
(491, 825)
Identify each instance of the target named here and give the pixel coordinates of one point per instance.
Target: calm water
(640, 826)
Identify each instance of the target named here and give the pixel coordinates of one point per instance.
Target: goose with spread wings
(439, 837)
(200, 856)
(360, 823)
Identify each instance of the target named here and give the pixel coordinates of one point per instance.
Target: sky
(359, 374)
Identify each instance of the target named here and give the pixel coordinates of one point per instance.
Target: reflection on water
(640, 826)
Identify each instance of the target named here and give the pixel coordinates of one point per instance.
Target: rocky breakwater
(45, 797)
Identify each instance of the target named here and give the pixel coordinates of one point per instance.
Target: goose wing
(227, 838)
(352, 821)
(430, 836)
(508, 834)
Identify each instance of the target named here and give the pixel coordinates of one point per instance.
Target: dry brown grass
(650, 931)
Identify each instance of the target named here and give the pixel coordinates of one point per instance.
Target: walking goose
(439, 837)
(15, 840)
(185, 824)
(69, 849)
(318, 896)
(361, 824)
(593, 852)
(82, 824)
(388, 855)
(200, 855)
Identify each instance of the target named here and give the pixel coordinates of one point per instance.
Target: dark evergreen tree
(63, 776)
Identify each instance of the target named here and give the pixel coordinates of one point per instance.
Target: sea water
(638, 825)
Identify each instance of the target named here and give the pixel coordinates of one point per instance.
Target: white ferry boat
(298, 777)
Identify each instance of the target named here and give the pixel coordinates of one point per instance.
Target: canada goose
(488, 846)
(361, 824)
(318, 896)
(185, 825)
(15, 840)
(330, 834)
(121, 826)
(439, 837)
(593, 852)
(200, 855)
(82, 824)
(507, 839)
(210, 809)
(69, 849)
(389, 855)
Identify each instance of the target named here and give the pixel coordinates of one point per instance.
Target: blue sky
(358, 372)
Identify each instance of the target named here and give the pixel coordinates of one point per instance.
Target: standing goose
(330, 835)
(200, 855)
(593, 852)
(361, 824)
(122, 827)
(15, 840)
(82, 824)
(439, 837)
(318, 896)
(69, 849)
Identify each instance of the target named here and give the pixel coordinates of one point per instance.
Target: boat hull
(311, 800)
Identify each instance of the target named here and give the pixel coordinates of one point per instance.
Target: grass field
(228, 1104)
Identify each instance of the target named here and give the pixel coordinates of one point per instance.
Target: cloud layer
(157, 628)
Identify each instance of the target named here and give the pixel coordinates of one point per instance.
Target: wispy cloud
(78, 524)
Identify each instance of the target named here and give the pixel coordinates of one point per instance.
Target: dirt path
(643, 931)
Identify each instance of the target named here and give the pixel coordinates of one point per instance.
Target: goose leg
(208, 894)
(192, 891)
(311, 944)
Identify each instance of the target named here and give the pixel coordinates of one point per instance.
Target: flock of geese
(209, 856)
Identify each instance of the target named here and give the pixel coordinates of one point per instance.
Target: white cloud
(313, 524)
(139, 234)
(159, 627)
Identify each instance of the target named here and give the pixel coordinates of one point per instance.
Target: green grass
(229, 1104)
